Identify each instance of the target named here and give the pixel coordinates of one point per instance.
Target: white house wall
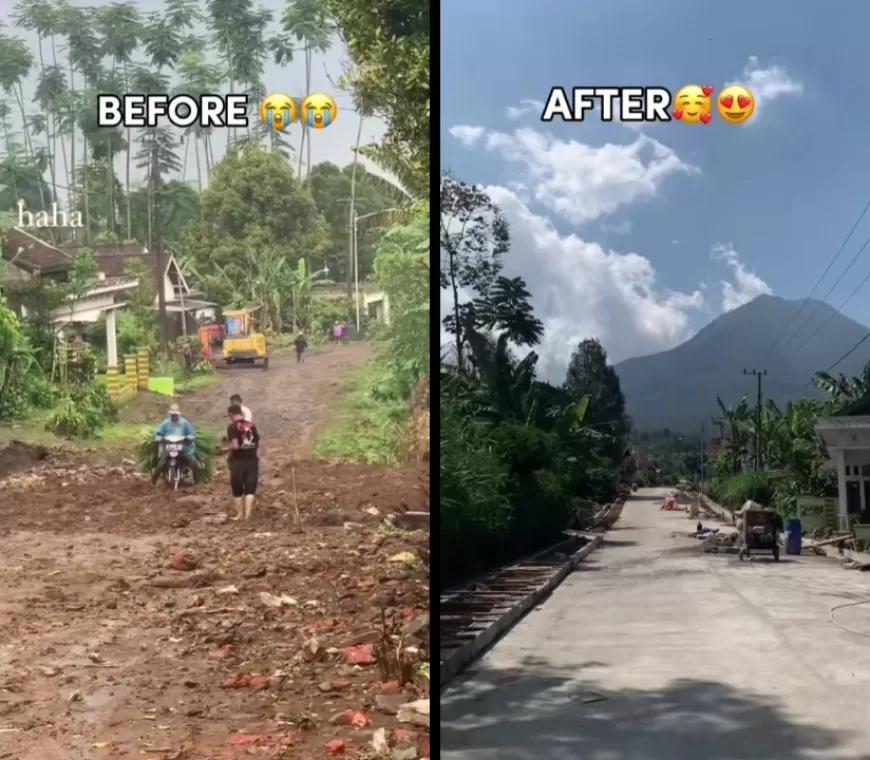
(86, 309)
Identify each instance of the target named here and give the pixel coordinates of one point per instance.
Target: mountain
(677, 389)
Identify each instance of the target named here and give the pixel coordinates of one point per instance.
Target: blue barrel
(792, 536)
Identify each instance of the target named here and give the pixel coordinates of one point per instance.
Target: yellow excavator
(241, 344)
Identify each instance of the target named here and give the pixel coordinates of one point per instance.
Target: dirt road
(109, 652)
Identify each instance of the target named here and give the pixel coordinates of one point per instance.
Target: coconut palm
(307, 22)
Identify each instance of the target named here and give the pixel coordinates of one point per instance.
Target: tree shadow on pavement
(539, 713)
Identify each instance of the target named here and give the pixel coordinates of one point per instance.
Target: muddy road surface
(139, 623)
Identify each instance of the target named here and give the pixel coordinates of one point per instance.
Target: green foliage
(475, 511)
(82, 412)
(254, 199)
(406, 281)
(206, 450)
(368, 421)
(515, 451)
(330, 187)
(735, 490)
(388, 42)
(323, 313)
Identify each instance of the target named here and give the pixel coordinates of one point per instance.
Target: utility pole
(156, 210)
(703, 458)
(758, 375)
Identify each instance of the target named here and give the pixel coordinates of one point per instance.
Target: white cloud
(526, 107)
(746, 285)
(767, 83)
(675, 242)
(468, 136)
(617, 228)
(581, 290)
(577, 181)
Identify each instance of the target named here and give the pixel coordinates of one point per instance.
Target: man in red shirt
(244, 461)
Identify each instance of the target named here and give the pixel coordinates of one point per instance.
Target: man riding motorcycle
(175, 425)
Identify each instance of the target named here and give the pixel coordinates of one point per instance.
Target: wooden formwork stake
(297, 518)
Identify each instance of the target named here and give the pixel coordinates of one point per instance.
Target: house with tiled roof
(25, 255)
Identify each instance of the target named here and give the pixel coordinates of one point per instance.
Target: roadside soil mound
(18, 456)
(141, 623)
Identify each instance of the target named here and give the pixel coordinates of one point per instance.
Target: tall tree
(16, 63)
(120, 27)
(307, 22)
(589, 375)
(388, 43)
(474, 235)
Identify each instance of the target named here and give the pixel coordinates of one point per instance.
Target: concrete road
(655, 651)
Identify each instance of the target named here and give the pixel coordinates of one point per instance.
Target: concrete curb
(475, 647)
(508, 617)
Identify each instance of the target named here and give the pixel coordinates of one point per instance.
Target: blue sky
(641, 237)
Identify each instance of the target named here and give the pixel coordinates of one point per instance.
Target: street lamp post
(355, 249)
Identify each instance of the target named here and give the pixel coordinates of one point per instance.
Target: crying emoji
(319, 110)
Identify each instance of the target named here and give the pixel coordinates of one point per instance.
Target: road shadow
(536, 712)
(612, 542)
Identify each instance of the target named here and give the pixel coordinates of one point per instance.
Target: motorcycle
(175, 472)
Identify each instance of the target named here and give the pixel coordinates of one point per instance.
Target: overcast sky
(332, 144)
(641, 236)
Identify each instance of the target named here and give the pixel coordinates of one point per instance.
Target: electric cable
(824, 274)
(827, 295)
(834, 313)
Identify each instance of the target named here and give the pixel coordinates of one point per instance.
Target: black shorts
(244, 474)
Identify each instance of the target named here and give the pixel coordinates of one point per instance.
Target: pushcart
(759, 532)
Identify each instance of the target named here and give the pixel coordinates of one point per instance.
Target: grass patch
(367, 424)
(195, 382)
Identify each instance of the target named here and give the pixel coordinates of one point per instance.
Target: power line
(824, 274)
(840, 360)
(827, 295)
(834, 313)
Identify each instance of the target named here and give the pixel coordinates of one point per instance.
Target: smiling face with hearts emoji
(692, 104)
(735, 104)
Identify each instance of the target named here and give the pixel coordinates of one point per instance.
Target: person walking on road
(244, 462)
(246, 413)
(301, 345)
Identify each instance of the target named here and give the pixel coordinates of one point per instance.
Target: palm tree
(308, 22)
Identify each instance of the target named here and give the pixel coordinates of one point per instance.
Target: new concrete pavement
(652, 650)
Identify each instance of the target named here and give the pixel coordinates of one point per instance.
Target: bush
(734, 491)
(83, 411)
(369, 423)
(475, 512)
